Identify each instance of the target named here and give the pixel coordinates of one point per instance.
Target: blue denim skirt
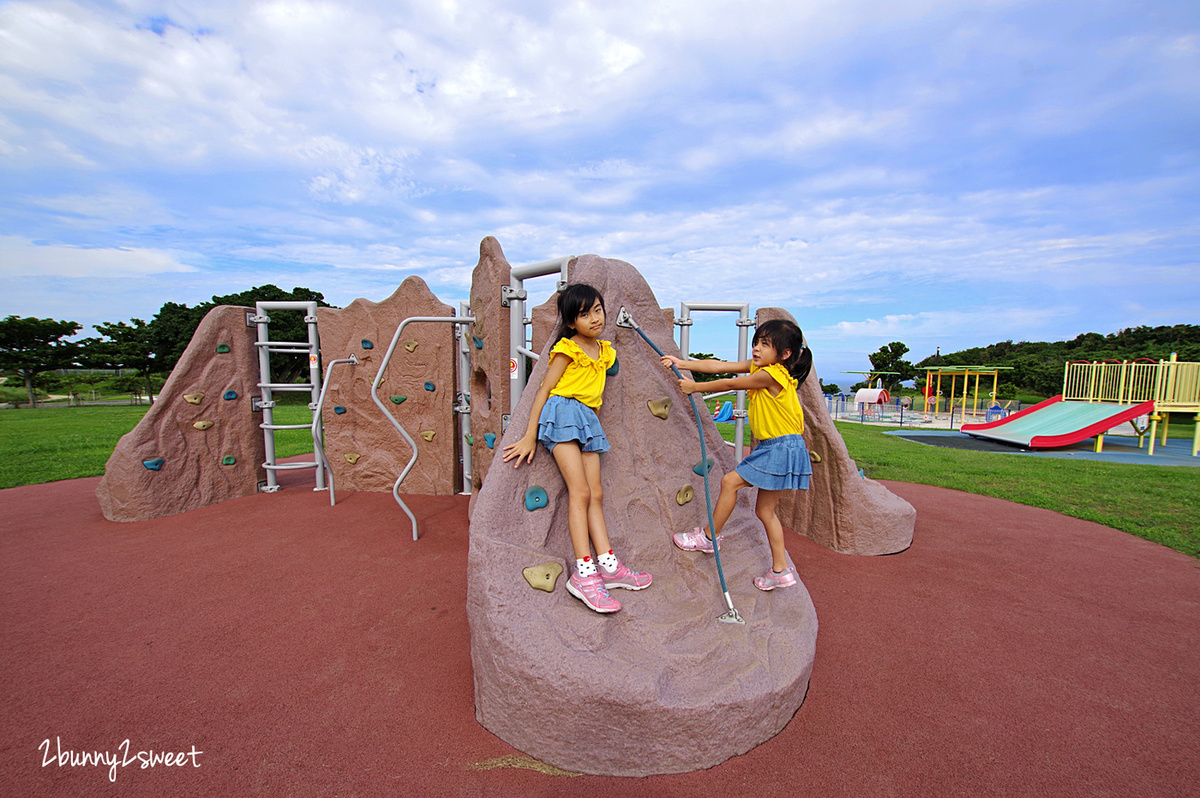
(778, 464)
(564, 419)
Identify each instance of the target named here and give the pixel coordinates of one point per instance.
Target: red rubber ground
(317, 651)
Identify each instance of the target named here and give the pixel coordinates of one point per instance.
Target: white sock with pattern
(609, 561)
(585, 567)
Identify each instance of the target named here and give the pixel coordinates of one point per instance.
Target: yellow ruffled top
(773, 416)
(584, 377)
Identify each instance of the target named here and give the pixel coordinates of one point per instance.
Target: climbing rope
(625, 320)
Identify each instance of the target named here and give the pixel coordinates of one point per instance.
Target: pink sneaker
(592, 592)
(771, 580)
(624, 577)
(695, 540)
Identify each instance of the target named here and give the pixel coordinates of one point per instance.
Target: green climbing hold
(228, 460)
(490, 439)
(429, 386)
(339, 409)
(478, 341)
(155, 464)
(230, 395)
(222, 349)
(470, 440)
(366, 344)
(614, 368)
(398, 399)
(536, 498)
(700, 468)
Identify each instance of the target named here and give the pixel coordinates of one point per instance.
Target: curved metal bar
(318, 444)
(383, 408)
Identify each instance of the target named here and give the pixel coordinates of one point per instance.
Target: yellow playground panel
(1173, 386)
(935, 374)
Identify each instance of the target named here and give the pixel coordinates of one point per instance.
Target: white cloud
(20, 257)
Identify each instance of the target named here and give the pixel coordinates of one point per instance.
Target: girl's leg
(731, 483)
(596, 527)
(768, 500)
(571, 464)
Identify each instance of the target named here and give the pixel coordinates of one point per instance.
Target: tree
(890, 358)
(700, 377)
(31, 346)
(123, 346)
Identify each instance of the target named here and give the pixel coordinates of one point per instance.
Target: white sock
(609, 561)
(585, 567)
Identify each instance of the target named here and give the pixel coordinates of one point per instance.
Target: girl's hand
(524, 448)
(688, 386)
(671, 360)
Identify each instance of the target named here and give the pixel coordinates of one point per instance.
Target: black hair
(786, 336)
(574, 300)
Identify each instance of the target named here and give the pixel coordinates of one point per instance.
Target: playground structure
(934, 390)
(1100, 396)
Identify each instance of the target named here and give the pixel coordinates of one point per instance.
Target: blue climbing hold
(339, 409)
(478, 341)
(154, 464)
(231, 394)
(614, 368)
(490, 439)
(700, 467)
(536, 498)
(429, 386)
(366, 344)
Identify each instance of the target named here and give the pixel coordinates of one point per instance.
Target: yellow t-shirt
(773, 416)
(584, 377)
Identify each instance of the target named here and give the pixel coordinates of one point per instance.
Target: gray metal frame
(744, 322)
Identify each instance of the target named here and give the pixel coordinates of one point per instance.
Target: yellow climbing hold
(202, 425)
(685, 495)
(544, 576)
(352, 458)
(410, 345)
(660, 407)
(428, 435)
(816, 458)
(193, 398)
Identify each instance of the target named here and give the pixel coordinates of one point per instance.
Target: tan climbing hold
(428, 435)
(352, 458)
(193, 398)
(660, 407)
(816, 458)
(544, 576)
(410, 345)
(202, 425)
(685, 495)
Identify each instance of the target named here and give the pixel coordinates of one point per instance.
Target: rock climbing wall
(660, 686)
(419, 387)
(489, 359)
(840, 510)
(200, 442)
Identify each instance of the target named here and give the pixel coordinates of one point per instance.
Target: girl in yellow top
(780, 460)
(564, 420)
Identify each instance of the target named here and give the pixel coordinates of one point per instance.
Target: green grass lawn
(1158, 503)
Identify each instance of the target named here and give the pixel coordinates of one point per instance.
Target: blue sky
(940, 173)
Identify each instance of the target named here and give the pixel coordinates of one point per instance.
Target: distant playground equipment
(724, 413)
(934, 390)
(1100, 396)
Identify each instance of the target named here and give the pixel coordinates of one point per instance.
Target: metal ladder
(267, 404)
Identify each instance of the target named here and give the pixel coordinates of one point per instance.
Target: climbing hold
(339, 409)
(228, 460)
(536, 498)
(685, 495)
(222, 349)
(490, 439)
(660, 407)
(544, 576)
(428, 435)
(230, 395)
(155, 464)
(193, 398)
(700, 467)
(478, 341)
(366, 344)
(861, 475)
(470, 440)
(398, 399)
(429, 386)
(352, 458)
(410, 345)
(816, 458)
(614, 368)
(202, 425)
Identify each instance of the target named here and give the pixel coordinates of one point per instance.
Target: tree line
(1037, 366)
(33, 350)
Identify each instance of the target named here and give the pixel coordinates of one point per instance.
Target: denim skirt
(564, 419)
(778, 464)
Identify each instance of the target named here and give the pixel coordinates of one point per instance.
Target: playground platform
(1117, 448)
(311, 650)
